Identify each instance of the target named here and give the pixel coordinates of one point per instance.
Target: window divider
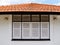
(21, 26)
(30, 17)
(49, 25)
(12, 26)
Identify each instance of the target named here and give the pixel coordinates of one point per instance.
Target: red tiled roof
(32, 7)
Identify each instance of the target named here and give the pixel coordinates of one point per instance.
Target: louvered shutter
(44, 30)
(35, 30)
(25, 30)
(16, 30)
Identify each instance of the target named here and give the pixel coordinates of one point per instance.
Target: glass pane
(35, 30)
(44, 18)
(17, 33)
(45, 24)
(16, 24)
(25, 18)
(16, 18)
(44, 30)
(45, 33)
(17, 30)
(25, 30)
(35, 18)
(26, 25)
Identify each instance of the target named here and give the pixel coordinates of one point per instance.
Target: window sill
(30, 39)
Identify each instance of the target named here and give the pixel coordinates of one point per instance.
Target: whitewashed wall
(6, 33)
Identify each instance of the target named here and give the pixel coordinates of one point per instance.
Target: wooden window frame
(31, 21)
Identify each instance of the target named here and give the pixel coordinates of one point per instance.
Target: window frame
(31, 21)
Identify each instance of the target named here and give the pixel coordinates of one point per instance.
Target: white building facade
(6, 32)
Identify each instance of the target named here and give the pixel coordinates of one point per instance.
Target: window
(44, 27)
(16, 27)
(30, 27)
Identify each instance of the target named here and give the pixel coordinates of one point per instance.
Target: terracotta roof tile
(32, 7)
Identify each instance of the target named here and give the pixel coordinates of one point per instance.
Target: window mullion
(40, 24)
(21, 26)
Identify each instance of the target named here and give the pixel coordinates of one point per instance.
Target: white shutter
(25, 30)
(44, 30)
(35, 30)
(16, 30)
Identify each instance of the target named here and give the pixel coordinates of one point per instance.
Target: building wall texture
(6, 33)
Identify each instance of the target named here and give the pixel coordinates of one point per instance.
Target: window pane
(44, 18)
(25, 30)
(35, 18)
(16, 24)
(45, 30)
(16, 18)
(17, 30)
(16, 33)
(35, 30)
(26, 25)
(25, 18)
